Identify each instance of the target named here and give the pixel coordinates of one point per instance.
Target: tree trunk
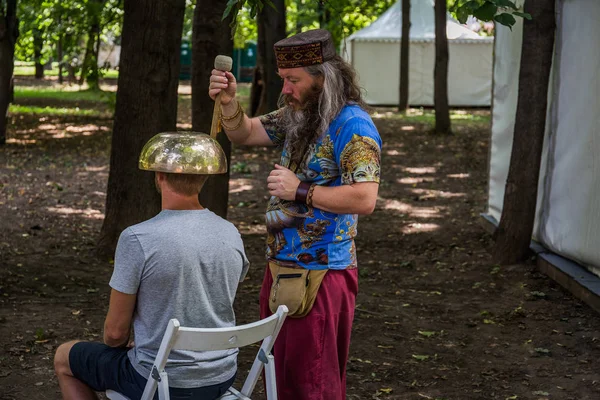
(210, 37)
(89, 68)
(9, 31)
(255, 92)
(404, 57)
(513, 235)
(324, 14)
(86, 61)
(146, 105)
(38, 44)
(271, 28)
(59, 53)
(442, 110)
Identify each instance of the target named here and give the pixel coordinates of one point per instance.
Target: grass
(42, 93)
(243, 90)
(29, 70)
(427, 116)
(54, 111)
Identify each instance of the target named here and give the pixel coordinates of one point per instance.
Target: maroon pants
(311, 352)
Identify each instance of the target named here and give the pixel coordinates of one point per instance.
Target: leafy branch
(500, 11)
(234, 7)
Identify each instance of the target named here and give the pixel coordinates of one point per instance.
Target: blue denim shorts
(102, 367)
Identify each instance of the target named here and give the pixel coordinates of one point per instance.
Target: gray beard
(302, 129)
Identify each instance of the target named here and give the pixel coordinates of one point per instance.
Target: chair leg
(163, 387)
(271, 383)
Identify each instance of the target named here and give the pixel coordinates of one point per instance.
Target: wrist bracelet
(235, 114)
(310, 193)
(302, 192)
(232, 128)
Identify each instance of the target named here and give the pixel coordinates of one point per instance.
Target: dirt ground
(435, 317)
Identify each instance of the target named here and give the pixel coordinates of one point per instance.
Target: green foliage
(246, 29)
(69, 20)
(340, 17)
(500, 11)
(234, 7)
(188, 19)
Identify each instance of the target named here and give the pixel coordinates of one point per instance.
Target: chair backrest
(178, 337)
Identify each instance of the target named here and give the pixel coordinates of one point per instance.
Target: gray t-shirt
(186, 265)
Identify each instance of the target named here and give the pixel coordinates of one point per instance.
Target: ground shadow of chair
(208, 339)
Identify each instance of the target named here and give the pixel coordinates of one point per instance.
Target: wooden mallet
(222, 63)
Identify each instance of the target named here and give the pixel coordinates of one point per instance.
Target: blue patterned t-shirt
(350, 152)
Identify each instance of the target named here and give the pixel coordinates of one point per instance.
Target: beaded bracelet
(310, 193)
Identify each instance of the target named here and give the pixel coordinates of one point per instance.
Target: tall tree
(38, 44)
(513, 235)
(210, 38)
(146, 104)
(34, 22)
(59, 50)
(9, 31)
(440, 94)
(404, 57)
(271, 28)
(90, 72)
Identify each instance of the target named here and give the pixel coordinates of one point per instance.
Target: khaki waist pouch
(295, 288)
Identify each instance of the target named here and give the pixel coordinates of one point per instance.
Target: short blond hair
(186, 184)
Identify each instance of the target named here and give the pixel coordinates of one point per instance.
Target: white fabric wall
(568, 214)
(469, 72)
(506, 86)
(570, 217)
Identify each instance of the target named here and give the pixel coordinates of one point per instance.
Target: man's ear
(320, 79)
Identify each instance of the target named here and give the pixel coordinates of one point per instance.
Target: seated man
(184, 263)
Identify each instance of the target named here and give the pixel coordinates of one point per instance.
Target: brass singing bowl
(183, 153)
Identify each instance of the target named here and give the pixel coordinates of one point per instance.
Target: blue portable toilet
(185, 59)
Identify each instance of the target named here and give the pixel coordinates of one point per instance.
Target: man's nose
(287, 88)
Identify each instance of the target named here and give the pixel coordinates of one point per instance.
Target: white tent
(568, 206)
(375, 54)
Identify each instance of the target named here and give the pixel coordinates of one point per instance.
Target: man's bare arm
(117, 326)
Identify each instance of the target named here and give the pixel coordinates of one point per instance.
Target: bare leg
(71, 387)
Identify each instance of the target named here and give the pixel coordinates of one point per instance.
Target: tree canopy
(43, 23)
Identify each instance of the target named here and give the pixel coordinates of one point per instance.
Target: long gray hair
(340, 87)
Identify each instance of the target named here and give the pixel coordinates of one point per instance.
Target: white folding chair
(208, 339)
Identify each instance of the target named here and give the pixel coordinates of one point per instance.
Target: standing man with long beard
(328, 174)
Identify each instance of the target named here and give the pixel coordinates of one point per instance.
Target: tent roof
(388, 26)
